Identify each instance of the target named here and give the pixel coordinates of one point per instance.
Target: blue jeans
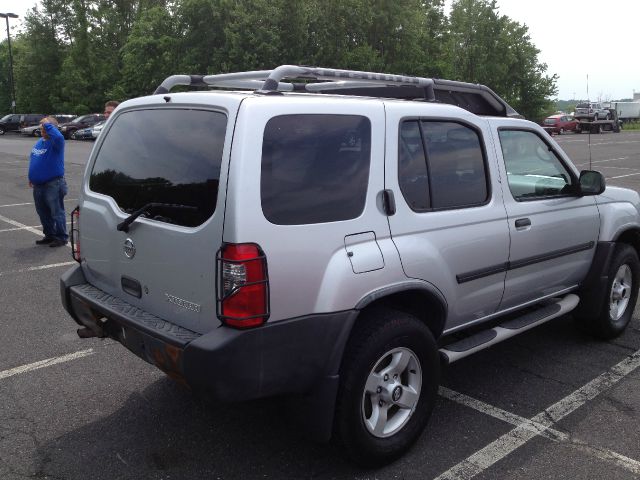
(48, 198)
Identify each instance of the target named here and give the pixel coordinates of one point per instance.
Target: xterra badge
(194, 307)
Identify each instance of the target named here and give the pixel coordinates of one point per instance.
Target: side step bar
(485, 338)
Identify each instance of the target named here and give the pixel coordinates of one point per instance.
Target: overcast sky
(607, 53)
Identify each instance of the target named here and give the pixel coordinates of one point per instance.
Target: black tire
(379, 335)
(611, 322)
(37, 133)
(607, 117)
(595, 117)
(561, 131)
(1, 131)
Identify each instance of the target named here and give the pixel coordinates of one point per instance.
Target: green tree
(492, 49)
(150, 54)
(5, 88)
(39, 55)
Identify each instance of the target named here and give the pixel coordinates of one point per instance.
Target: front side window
(315, 168)
(165, 156)
(533, 169)
(441, 165)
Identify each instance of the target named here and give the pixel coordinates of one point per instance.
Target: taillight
(75, 234)
(243, 285)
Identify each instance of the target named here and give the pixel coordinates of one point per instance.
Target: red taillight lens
(243, 285)
(75, 234)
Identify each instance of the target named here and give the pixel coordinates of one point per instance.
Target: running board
(485, 338)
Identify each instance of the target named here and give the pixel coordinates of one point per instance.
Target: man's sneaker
(45, 241)
(57, 243)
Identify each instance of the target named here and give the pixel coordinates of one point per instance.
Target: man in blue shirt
(46, 176)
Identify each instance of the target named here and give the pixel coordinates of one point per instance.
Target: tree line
(73, 55)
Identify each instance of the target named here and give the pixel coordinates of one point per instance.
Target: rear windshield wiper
(146, 209)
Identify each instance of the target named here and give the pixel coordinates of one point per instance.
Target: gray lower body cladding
(289, 356)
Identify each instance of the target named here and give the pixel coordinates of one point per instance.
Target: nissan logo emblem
(397, 393)
(129, 248)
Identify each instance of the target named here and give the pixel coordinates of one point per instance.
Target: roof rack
(475, 98)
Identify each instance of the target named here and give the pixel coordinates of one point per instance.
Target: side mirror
(591, 182)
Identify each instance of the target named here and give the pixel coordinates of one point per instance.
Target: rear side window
(315, 168)
(167, 156)
(441, 165)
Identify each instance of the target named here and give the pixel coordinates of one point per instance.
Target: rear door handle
(523, 222)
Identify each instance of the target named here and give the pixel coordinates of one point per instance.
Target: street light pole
(7, 16)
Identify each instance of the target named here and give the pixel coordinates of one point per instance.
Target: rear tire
(389, 381)
(620, 295)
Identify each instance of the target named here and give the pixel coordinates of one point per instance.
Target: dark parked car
(64, 117)
(34, 130)
(84, 121)
(560, 124)
(87, 133)
(16, 121)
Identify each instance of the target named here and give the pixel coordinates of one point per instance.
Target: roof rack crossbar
(269, 81)
(336, 75)
(352, 82)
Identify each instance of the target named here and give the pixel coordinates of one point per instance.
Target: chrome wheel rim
(391, 392)
(620, 292)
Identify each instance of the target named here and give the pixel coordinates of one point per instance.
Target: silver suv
(339, 239)
(592, 111)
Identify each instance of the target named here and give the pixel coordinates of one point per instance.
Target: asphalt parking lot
(550, 403)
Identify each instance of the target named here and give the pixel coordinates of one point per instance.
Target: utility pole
(7, 16)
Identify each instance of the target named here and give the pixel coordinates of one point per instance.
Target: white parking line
(22, 228)
(16, 204)
(622, 176)
(497, 450)
(555, 435)
(45, 363)
(35, 269)
(601, 161)
(20, 225)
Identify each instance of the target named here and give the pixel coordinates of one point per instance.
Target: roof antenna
(590, 126)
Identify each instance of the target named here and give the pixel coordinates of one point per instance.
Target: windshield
(5, 118)
(550, 121)
(80, 119)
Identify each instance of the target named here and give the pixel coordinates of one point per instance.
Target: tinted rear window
(315, 168)
(163, 156)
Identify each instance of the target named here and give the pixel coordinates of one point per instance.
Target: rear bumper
(289, 356)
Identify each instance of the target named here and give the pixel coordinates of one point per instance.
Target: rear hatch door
(169, 161)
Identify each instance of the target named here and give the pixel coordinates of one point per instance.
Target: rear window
(550, 121)
(582, 105)
(315, 168)
(168, 156)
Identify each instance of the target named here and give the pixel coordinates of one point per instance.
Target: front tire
(621, 294)
(389, 381)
